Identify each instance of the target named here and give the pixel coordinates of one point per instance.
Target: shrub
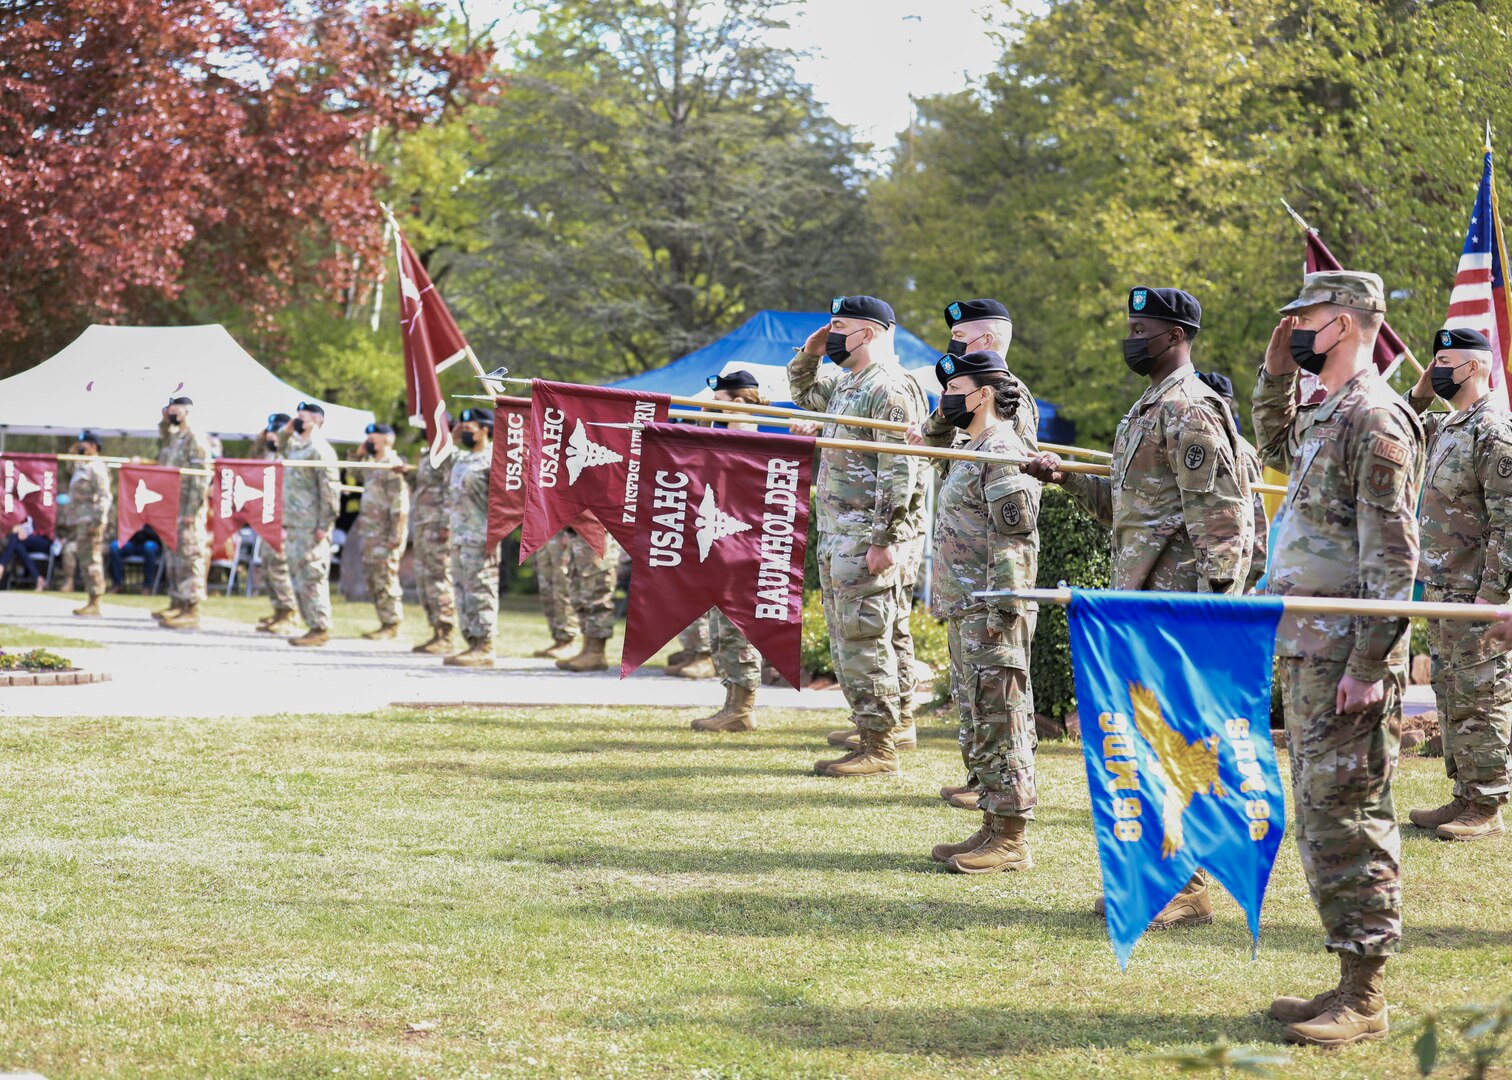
(34, 660)
(814, 650)
(1078, 551)
(930, 637)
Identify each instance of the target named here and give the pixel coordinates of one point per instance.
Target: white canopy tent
(115, 380)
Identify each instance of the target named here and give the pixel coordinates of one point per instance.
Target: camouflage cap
(1346, 288)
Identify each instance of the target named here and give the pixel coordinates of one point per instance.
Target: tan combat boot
(878, 756)
(739, 713)
(701, 666)
(1442, 815)
(845, 737)
(724, 710)
(1190, 907)
(91, 607)
(478, 654)
(678, 659)
(962, 798)
(280, 622)
(387, 632)
(559, 650)
(905, 735)
(590, 659)
(187, 619)
(311, 638)
(1005, 850)
(168, 612)
(1295, 1010)
(945, 852)
(1358, 1012)
(444, 643)
(1477, 821)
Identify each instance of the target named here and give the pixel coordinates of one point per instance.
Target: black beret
(310, 406)
(971, 310)
(181, 401)
(277, 420)
(380, 429)
(481, 416)
(980, 362)
(1219, 383)
(89, 437)
(739, 379)
(862, 307)
(1168, 305)
(1461, 339)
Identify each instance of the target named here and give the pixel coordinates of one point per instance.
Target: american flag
(1479, 299)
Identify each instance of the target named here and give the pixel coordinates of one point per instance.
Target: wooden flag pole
(1301, 605)
(152, 464)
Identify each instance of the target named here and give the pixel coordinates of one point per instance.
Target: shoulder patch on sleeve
(1384, 446)
(896, 414)
(1196, 460)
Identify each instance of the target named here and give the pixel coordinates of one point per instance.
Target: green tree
(655, 174)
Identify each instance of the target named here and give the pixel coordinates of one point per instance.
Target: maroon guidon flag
(583, 452)
(249, 492)
(506, 480)
(432, 343)
(723, 522)
(29, 488)
(149, 495)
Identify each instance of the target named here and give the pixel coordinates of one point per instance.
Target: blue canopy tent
(764, 344)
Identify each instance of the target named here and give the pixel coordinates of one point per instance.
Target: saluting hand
(1046, 468)
(1278, 358)
(814, 346)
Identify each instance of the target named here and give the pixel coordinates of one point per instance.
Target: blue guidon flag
(1174, 694)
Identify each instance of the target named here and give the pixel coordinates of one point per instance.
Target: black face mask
(271, 443)
(955, 348)
(1443, 379)
(835, 348)
(1303, 353)
(1137, 355)
(299, 425)
(953, 409)
(468, 439)
(369, 449)
(175, 421)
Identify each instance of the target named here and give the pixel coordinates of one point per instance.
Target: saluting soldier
(184, 448)
(278, 583)
(1464, 521)
(986, 537)
(474, 561)
(383, 517)
(869, 514)
(312, 499)
(1348, 529)
(432, 561)
(87, 513)
(1178, 502)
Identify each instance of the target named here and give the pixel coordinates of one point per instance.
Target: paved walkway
(228, 669)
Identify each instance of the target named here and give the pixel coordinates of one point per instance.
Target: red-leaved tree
(150, 149)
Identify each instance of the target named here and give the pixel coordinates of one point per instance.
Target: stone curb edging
(52, 678)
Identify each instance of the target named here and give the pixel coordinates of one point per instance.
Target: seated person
(145, 544)
(25, 544)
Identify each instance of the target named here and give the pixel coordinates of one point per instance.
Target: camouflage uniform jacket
(1025, 419)
(861, 494)
(385, 502)
(1180, 507)
(88, 495)
(467, 498)
(986, 533)
(188, 450)
(1347, 526)
(431, 485)
(1466, 509)
(312, 497)
(1254, 471)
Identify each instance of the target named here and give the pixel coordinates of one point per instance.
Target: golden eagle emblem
(1187, 769)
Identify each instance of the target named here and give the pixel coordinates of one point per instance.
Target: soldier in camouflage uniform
(591, 583)
(1347, 529)
(986, 537)
(184, 448)
(1254, 470)
(312, 499)
(1178, 502)
(432, 561)
(384, 521)
(868, 516)
(553, 563)
(474, 561)
(278, 583)
(86, 515)
(1464, 520)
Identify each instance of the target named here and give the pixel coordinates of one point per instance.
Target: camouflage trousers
(861, 611)
(310, 567)
(186, 568)
(475, 578)
(908, 577)
(278, 583)
(433, 578)
(1341, 772)
(1473, 685)
(989, 679)
(735, 658)
(699, 636)
(380, 569)
(592, 586)
(554, 578)
(83, 548)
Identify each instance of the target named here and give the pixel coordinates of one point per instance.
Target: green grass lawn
(20, 637)
(573, 892)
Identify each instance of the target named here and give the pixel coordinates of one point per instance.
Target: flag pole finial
(1488, 134)
(1296, 216)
